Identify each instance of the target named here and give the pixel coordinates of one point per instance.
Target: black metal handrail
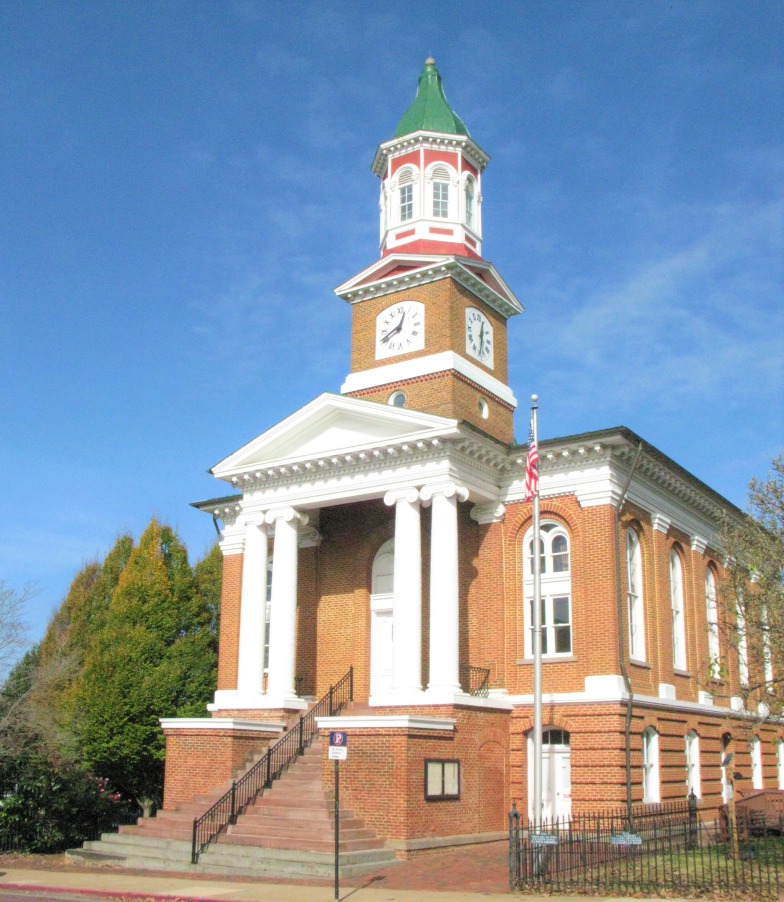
(475, 680)
(276, 759)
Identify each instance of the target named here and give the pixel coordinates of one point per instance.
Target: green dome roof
(430, 110)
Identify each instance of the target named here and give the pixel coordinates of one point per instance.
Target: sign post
(337, 752)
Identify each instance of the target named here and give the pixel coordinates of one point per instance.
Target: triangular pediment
(400, 271)
(333, 425)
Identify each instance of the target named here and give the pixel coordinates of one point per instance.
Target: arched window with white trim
(636, 611)
(555, 556)
(743, 644)
(693, 783)
(755, 747)
(678, 611)
(780, 762)
(650, 766)
(712, 616)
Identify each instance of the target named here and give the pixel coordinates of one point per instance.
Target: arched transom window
(556, 590)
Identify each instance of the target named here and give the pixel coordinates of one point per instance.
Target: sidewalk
(469, 875)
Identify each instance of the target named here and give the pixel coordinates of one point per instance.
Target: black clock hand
(394, 331)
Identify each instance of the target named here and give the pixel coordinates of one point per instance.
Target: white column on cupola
(407, 579)
(253, 601)
(444, 587)
(283, 607)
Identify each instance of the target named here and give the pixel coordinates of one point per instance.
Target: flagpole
(537, 635)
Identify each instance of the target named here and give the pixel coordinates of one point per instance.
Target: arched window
(382, 579)
(556, 590)
(726, 742)
(712, 615)
(470, 196)
(634, 596)
(743, 645)
(780, 762)
(650, 766)
(405, 186)
(756, 763)
(767, 658)
(441, 178)
(677, 608)
(693, 764)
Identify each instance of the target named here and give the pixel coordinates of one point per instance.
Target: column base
(444, 695)
(397, 697)
(236, 700)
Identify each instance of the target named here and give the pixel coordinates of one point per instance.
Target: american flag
(531, 466)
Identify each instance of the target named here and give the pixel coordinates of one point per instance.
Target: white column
(444, 588)
(250, 664)
(283, 608)
(407, 611)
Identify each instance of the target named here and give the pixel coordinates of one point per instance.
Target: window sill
(643, 664)
(681, 673)
(550, 659)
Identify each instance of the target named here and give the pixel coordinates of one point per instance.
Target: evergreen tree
(151, 656)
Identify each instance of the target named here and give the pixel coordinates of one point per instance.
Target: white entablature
(338, 449)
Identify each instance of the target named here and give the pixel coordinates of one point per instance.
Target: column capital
(447, 489)
(490, 512)
(233, 540)
(409, 494)
(286, 513)
(258, 519)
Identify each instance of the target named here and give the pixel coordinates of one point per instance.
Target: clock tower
(429, 318)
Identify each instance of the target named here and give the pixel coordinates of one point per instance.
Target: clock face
(479, 336)
(400, 329)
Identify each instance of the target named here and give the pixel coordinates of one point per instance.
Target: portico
(430, 462)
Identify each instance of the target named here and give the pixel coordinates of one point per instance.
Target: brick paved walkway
(482, 869)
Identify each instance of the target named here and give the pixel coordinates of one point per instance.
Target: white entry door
(556, 775)
(380, 651)
(382, 601)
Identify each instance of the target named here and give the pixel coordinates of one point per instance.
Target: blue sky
(183, 184)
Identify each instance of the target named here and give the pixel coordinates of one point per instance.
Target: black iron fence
(277, 758)
(475, 680)
(659, 848)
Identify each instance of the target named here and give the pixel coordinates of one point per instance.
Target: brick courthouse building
(385, 529)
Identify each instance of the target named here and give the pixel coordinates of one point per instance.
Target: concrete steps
(151, 853)
(287, 832)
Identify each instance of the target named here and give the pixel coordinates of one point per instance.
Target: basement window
(442, 780)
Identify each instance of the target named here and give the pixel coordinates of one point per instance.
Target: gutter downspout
(621, 659)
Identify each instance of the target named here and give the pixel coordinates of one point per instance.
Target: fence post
(692, 820)
(194, 853)
(268, 780)
(331, 692)
(514, 848)
(351, 683)
(233, 815)
(301, 730)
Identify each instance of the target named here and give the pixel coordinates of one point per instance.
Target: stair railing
(276, 759)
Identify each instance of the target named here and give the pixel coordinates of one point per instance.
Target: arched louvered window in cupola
(441, 178)
(405, 185)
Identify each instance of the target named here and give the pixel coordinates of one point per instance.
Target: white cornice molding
(367, 285)
(427, 366)
(427, 140)
(387, 722)
(221, 723)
